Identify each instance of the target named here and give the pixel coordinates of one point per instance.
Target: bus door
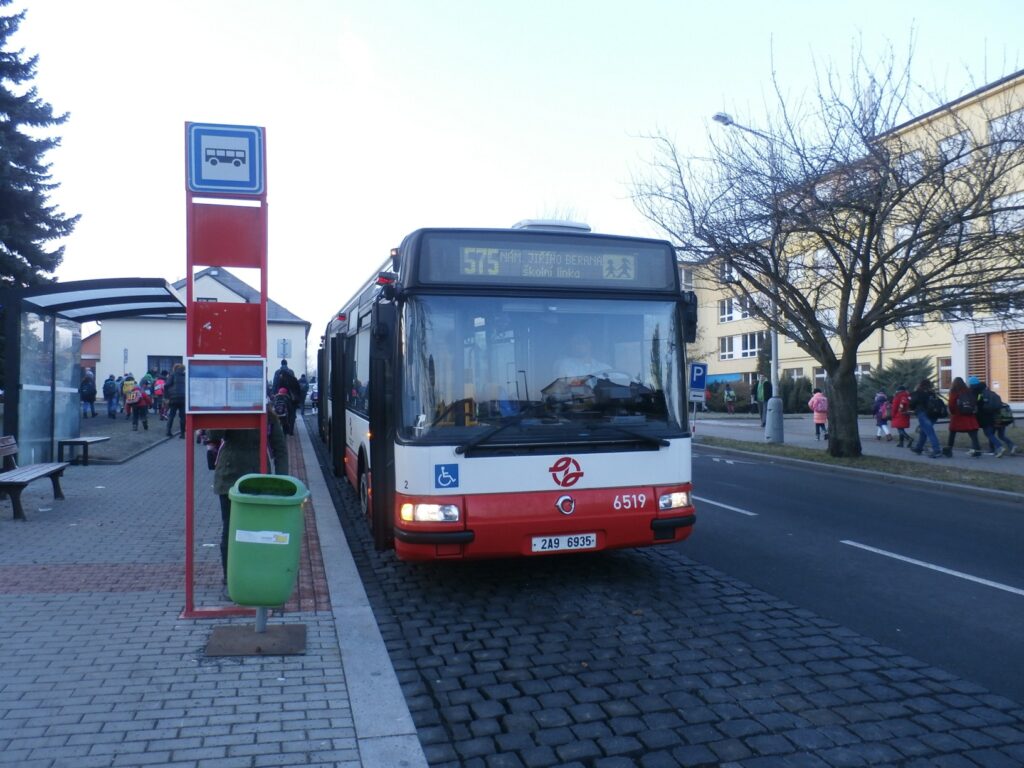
(334, 399)
(383, 346)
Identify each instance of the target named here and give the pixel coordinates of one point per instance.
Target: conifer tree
(29, 223)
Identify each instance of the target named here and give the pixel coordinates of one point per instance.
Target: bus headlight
(429, 513)
(674, 500)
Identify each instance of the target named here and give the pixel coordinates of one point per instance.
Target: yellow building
(990, 348)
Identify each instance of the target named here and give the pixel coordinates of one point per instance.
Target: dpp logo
(566, 471)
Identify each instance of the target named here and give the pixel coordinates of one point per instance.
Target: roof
(87, 300)
(275, 312)
(949, 105)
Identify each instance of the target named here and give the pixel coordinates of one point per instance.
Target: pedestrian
(87, 392)
(238, 454)
(989, 406)
(138, 402)
(963, 407)
(284, 408)
(729, 396)
(303, 391)
(881, 409)
(928, 407)
(819, 407)
(127, 385)
(110, 390)
(159, 395)
(764, 394)
(174, 391)
(901, 415)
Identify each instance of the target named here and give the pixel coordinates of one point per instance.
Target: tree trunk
(843, 433)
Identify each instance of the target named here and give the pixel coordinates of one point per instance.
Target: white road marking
(939, 568)
(725, 506)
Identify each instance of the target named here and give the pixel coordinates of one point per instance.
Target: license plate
(566, 542)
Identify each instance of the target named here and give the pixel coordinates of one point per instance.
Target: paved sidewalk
(799, 431)
(99, 670)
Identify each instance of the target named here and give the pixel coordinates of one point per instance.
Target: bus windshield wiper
(660, 442)
(511, 421)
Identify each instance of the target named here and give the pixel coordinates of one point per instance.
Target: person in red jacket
(963, 405)
(900, 419)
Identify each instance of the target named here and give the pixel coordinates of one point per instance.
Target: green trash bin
(264, 537)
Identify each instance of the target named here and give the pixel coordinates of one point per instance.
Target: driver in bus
(581, 362)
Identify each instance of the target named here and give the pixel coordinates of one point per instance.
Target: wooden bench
(14, 478)
(84, 442)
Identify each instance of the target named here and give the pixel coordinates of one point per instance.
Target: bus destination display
(541, 264)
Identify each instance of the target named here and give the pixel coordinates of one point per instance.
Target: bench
(84, 442)
(14, 478)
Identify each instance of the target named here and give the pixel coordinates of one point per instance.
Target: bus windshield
(539, 369)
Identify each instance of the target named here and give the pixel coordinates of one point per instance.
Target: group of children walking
(972, 407)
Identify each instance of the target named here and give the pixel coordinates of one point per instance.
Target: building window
(911, 166)
(1008, 213)
(726, 273)
(200, 299)
(820, 378)
(732, 309)
(725, 348)
(955, 150)
(793, 373)
(944, 365)
(284, 347)
(1005, 131)
(751, 344)
(861, 369)
(686, 278)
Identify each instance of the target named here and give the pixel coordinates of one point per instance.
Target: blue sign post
(225, 159)
(698, 381)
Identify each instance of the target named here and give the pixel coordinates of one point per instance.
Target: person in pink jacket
(819, 407)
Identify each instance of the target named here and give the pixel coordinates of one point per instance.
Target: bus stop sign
(698, 381)
(225, 159)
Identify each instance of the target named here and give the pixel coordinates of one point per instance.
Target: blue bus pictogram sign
(225, 159)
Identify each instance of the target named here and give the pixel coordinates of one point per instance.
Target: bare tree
(851, 212)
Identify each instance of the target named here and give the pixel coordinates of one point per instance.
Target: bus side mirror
(689, 307)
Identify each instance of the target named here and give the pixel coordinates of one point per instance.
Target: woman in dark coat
(959, 421)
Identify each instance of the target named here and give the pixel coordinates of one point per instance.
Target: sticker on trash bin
(262, 537)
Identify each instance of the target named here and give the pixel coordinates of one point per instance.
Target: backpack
(990, 402)
(935, 407)
(967, 402)
(821, 405)
(158, 387)
(1005, 416)
(109, 389)
(885, 411)
(281, 405)
(134, 396)
(87, 388)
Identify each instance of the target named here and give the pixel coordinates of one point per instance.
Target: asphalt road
(720, 650)
(929, 571)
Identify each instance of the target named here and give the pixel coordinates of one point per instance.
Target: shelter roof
(88, 300)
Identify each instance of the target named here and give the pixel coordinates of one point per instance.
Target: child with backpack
(1003, 420)
(882, 413)
(963, 407)
(819, 407)
(283, 407)
(990, 405)
(138, 401)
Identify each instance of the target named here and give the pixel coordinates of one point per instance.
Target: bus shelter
(43, 344)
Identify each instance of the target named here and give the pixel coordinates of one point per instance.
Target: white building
(139, 344)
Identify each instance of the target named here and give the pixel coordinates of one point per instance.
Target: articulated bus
(519, 392)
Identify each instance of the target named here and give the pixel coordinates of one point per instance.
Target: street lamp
(773, 426)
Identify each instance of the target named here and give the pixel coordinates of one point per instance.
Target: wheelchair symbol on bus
(446, 475)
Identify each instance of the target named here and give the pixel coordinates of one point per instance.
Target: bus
(514, 392)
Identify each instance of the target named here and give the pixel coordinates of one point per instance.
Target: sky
(384, 116)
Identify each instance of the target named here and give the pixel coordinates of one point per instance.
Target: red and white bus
(495, 393)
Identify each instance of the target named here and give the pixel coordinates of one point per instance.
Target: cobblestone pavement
(99, 670)
(646, 658)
